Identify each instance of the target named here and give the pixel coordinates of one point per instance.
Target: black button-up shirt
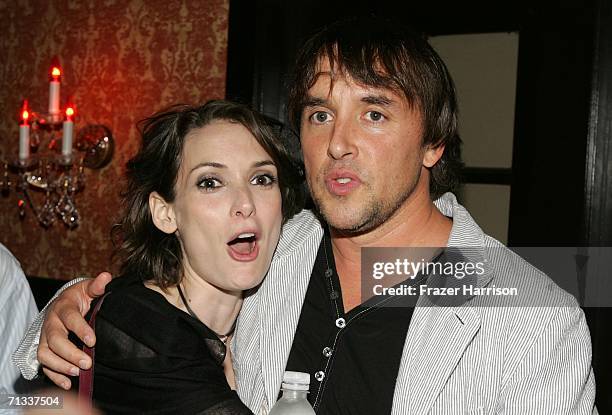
(353, 357)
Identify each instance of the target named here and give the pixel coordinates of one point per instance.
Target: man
(377, 116)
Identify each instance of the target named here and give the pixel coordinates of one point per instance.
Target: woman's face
(227, 208)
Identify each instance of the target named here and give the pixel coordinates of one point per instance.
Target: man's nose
(342, 141)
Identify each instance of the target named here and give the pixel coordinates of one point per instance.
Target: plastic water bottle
(293, 402)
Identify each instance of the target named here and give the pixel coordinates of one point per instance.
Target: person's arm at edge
(46, 341)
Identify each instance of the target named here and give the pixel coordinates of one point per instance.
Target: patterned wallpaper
(122, 61)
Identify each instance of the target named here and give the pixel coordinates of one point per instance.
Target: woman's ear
(162, 213)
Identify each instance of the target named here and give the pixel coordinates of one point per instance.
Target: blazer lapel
(438, 336)
(279, 308)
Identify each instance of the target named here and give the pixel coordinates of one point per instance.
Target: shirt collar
(465, 232)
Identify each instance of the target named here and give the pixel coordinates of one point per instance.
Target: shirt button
(327, 352)
(340, 323)
(320, 375)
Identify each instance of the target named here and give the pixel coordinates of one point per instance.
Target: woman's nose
(243, 204)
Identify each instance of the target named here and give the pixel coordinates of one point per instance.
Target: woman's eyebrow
(263, 163)
(214, 164)
(208, 164)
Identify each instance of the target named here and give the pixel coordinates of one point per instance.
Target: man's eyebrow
(378, 100)
(311, 101)
(382, 100)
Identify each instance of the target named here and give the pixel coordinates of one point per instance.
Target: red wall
(122, 61)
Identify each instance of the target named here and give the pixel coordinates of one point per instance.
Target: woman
(207, 195)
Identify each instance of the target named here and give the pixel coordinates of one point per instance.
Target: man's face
(362, 151)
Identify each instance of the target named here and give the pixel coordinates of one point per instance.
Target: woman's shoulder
(133, 307)
(146, 317)
(129, 294)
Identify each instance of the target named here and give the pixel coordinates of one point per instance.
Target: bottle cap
(296, 381)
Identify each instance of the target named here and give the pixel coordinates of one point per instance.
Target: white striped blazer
(456, 360)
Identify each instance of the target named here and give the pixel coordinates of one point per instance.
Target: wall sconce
(49, 175)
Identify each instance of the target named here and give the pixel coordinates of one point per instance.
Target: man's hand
(58, 355)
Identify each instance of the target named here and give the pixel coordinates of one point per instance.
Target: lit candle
(54, 89)
(67, 131)
(24, 132)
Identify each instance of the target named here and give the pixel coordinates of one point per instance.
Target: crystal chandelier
(47, 173)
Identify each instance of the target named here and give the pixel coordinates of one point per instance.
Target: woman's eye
(320, 117)
(263, 180)
(375, 116)
(209, 183)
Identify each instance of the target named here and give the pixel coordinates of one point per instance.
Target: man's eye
(209, 183)
(320, 117)
(375, 116)
(263, 180)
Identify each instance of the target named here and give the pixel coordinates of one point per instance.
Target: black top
(152, 357)
(353, 358)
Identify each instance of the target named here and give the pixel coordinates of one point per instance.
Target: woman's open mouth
(244, 247)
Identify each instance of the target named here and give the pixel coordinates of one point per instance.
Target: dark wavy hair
(143, 249)
(384, 54)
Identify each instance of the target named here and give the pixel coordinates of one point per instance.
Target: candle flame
(55, 71)
(24, 112)
(69, 111)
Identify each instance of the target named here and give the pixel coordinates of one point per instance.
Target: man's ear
(162, 213)
(432, 155)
